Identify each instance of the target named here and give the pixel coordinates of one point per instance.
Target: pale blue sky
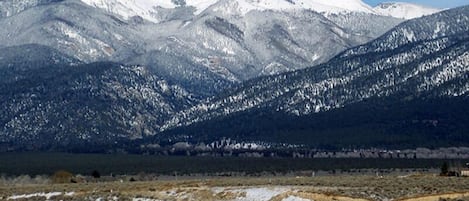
(431, 3)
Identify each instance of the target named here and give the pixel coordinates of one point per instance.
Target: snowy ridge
(242, 7)
(130, 8)
(335, 6)
(147, 9)
(404, 10)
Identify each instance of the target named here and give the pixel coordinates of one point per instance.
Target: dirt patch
(439, 197)
(315, 197)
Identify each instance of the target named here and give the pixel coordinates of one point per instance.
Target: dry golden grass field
(418, 187)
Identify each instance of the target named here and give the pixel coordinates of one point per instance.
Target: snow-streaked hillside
(426, 57)
(404, 10)
(48, 99)
(204, 53)
(12, 7)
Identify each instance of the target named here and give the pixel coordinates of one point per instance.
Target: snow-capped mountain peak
(147, 9)
(335, 5)
(404, 10)
(322, 6)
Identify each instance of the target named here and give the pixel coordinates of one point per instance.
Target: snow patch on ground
(294, 198)
(262, 193)
(144, 199)
(48, 196)
(255, 193)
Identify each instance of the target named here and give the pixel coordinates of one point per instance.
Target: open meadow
(415, 187)
(59, 176)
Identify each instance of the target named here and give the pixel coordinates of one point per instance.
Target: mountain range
(419, 61)
(202, 46)
(105, 72)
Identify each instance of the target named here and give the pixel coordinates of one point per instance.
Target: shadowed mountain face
(19, 62)
(62, 103)
(422, 59)
(396, 122)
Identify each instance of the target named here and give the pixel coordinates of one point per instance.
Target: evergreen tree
(444, 169)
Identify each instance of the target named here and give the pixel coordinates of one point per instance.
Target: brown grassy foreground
(341, 188)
